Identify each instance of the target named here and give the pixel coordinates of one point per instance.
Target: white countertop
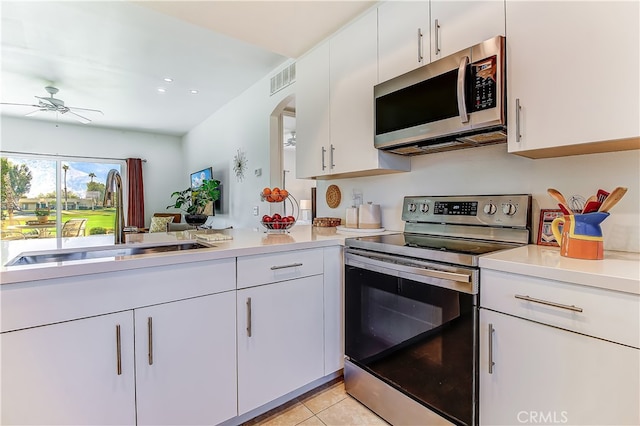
(244, 242)
(618, 270)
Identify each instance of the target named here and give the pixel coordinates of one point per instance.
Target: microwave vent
(486, 138)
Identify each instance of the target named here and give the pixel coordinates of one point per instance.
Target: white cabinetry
(312, 113)
(68, 373)
(280, 328)
(403, 37)
(573, 69)
(185, 351)
(333, 309)
(539, 361)
(344, 111)
(457, 25)
(61, 350)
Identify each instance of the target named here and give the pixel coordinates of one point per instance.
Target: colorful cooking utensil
(612, 199)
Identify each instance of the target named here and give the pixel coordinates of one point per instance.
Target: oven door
(411, 324)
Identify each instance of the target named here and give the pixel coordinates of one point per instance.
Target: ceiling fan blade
(10, 103)
(80, 118)
(85, 109)
(33, 112)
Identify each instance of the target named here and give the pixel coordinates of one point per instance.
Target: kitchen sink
(89, 253)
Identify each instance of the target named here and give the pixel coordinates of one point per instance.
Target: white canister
(369, 216)
(351, 217)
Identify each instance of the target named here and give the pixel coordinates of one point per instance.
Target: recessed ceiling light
(161, 89)
(193, 92)
(168, 80)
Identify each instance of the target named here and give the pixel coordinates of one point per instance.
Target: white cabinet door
(280, 339)
(573, 67)
(186, 361)
(312, 113)
(456, 25)
(353, 73)
(403, 37)
(67, 373)
(547, 375)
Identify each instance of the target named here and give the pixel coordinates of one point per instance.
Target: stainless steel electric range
(411, 306)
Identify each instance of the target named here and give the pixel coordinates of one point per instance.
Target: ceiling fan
(56, 105)
(292, 140)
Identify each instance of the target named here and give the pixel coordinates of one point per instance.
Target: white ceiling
(113, 56)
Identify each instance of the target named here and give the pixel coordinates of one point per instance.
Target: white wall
(244, 124)
(491, 170)
(162, 173)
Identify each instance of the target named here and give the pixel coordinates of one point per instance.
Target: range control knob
(424, 207)
(411, 207)
(509, 209)
(490, 208)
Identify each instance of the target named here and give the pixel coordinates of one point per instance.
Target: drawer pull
(118, 351)
(545, 302)
(491, 363)
(293, 265)
(150, 339)
(248, 317)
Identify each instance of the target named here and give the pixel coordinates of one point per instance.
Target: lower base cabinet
(280, 339)
(82, 371)
(186, 361)
(78, 372)
(546, 375)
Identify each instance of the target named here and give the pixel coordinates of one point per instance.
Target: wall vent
(283, 78)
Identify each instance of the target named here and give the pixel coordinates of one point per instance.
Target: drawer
(269, 268)
(605, 314)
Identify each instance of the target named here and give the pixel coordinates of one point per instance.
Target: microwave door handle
(462, 80)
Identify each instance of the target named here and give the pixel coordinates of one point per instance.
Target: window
(60, 197)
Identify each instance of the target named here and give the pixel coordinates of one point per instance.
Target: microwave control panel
(483, 84)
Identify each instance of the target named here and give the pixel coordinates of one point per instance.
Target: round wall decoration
(333, 196)
(240, 165)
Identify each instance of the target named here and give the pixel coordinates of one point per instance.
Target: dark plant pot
(195, 219)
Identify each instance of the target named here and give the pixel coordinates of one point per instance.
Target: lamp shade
(305, 204)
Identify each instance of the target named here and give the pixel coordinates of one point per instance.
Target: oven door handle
(403, 265)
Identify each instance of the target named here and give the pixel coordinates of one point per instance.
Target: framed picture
(199, 176)
(545, 236)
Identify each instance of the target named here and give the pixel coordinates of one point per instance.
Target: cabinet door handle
(546, 302)
(331, 164)
(118, 351)
(518, 108)
(437, 37)
(323, 165)
(248, 317)
(292, 265)
(420, 57)
(462, 83)
(150, 338)
(491, 363)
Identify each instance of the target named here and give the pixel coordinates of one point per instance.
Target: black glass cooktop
(429, 247)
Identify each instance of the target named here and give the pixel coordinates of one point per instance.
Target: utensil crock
(581, 235)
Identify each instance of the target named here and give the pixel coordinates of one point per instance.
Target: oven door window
(418, 338)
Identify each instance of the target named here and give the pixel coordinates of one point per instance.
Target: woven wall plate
(333, 196)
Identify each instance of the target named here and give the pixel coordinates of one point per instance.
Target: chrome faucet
(114, 179)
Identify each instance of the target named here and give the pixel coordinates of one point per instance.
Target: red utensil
(564, 209)
(591, 206)
(602, 195)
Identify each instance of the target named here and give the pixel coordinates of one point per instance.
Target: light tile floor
(328, 405)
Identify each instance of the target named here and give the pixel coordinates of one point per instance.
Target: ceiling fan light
(161, 89)
(194, 92)
(168, 79)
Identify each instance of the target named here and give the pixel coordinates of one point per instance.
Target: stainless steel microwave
(455, 102)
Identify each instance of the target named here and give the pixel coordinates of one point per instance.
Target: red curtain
(135, 215)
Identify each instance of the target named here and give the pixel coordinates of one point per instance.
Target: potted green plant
(193, 201)
(42, 214)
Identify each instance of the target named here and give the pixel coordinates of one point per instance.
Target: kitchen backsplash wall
(491, 170)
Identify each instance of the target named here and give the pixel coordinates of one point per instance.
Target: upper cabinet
(573, 81)
(403, 37)
(312, 113)
(456, 25)
(340, 144)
